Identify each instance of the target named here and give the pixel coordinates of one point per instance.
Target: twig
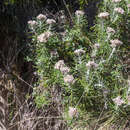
(23, 80)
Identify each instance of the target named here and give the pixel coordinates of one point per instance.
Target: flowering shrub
(89, 72)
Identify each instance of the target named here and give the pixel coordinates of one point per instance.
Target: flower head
(41, 38)
(119, 10)
(118, 101)
(115, 43)
(50, 21)
(44, 36)
(59, 64)
(79, 13)
(79, 51)
(41, 17)
(64, 70)
(103, 15)
(72, 112)
(32, 23)
(91, 64)
(69, 79)
(110, 30)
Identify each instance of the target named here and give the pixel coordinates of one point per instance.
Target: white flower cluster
(103, 15)
(50, 21)
(72, 112)
(64, 70)
(91, 64)
(119, 10)
(60, 65)
(41, 17)
(69, 79)
(118, 101)
(110, 30)
(79, 13)
(79, 52)
(128, 6)
(115, 43)
(32, 23)
(44, 36)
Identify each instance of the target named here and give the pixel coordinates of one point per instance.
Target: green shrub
(89, 72)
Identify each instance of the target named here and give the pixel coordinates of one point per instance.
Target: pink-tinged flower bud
(41, 17)
(69, 79)
(91, 64)
(128, 6)
(118, 101)
(110, 30)
(32, 23)
(64, 70)
(119, 10)
(79, 52)
(41, 38)
(115, 43)
(79, 13)
(44, 36)
(50, 21)
(103, 15)
(72, 112)
(59, 64)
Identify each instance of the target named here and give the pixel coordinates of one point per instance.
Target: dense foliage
(87, 72)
